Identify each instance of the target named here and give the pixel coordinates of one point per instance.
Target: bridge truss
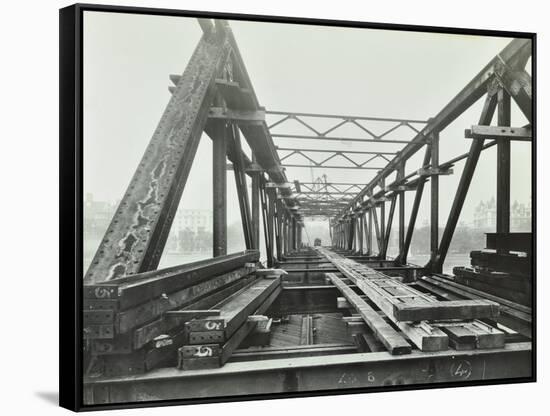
(138, 318)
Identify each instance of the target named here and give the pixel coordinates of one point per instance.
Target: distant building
(485, 216)
(191, 229)
(97, 215)
(193, 219)
(521, 217)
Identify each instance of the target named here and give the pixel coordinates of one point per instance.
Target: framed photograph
(264, 207)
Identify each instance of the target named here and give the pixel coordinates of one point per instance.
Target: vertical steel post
(219, 188)
(361, 232)
(355, 232)
(256, 207)
(242, 188)
(464, 184)
(284, 238)
(351, 236)
(377, 229)
(386, 240)
(279, 228)
(294, 234)
(434, 195)
(382, 216)
(503, 166)
(369, 234)
(273, 222)
(403, 254)
(401, 175)
(267, 221)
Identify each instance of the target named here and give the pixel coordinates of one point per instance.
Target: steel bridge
(309, 318)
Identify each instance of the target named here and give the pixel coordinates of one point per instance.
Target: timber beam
(391, 339)
(499, 133)
(212, 340)
(239, 117)
(430, 331)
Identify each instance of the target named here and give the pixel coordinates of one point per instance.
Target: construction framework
(309, 318)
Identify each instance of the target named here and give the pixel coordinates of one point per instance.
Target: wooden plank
(235, 312)
(486, 284)
(267, 353)
(147, 332)
(513, 315)
(424, 336)
(203, 356)
(472, 293)
(416, 307)
(499, 132)
(522, 242)
(149, 311)
(261, 335)
(393, 342)
(456, 309)
(461, 338)
(487, 336)
(238, 116)
(306, 332)
(139, 288)
(189, 314)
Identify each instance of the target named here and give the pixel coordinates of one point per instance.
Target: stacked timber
(211, 341)
(513, 315)
(136, 323)
(400, 316)
(503, 269)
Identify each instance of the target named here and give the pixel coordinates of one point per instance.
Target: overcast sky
(364, 72)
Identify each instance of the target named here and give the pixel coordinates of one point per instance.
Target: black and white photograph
(275, 208)
(279, 207)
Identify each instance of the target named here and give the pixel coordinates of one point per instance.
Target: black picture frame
(71, 200)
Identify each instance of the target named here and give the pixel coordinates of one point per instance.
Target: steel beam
(339, 151)
(135, 239)
(256, 208)
(388, 227)
(517, 83)
(132, 290)
(336, 139)
(500, 132)
(324, 373)
(434, 195)
(404, 252)
(219, 188)
(236, 116)
(401, 236)
(297, 165)
(503, 166)
(242, 188)
(517, 51)
(382, 228)
(267, 221)
(463, 186)
(369, 234)
(293, 115)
